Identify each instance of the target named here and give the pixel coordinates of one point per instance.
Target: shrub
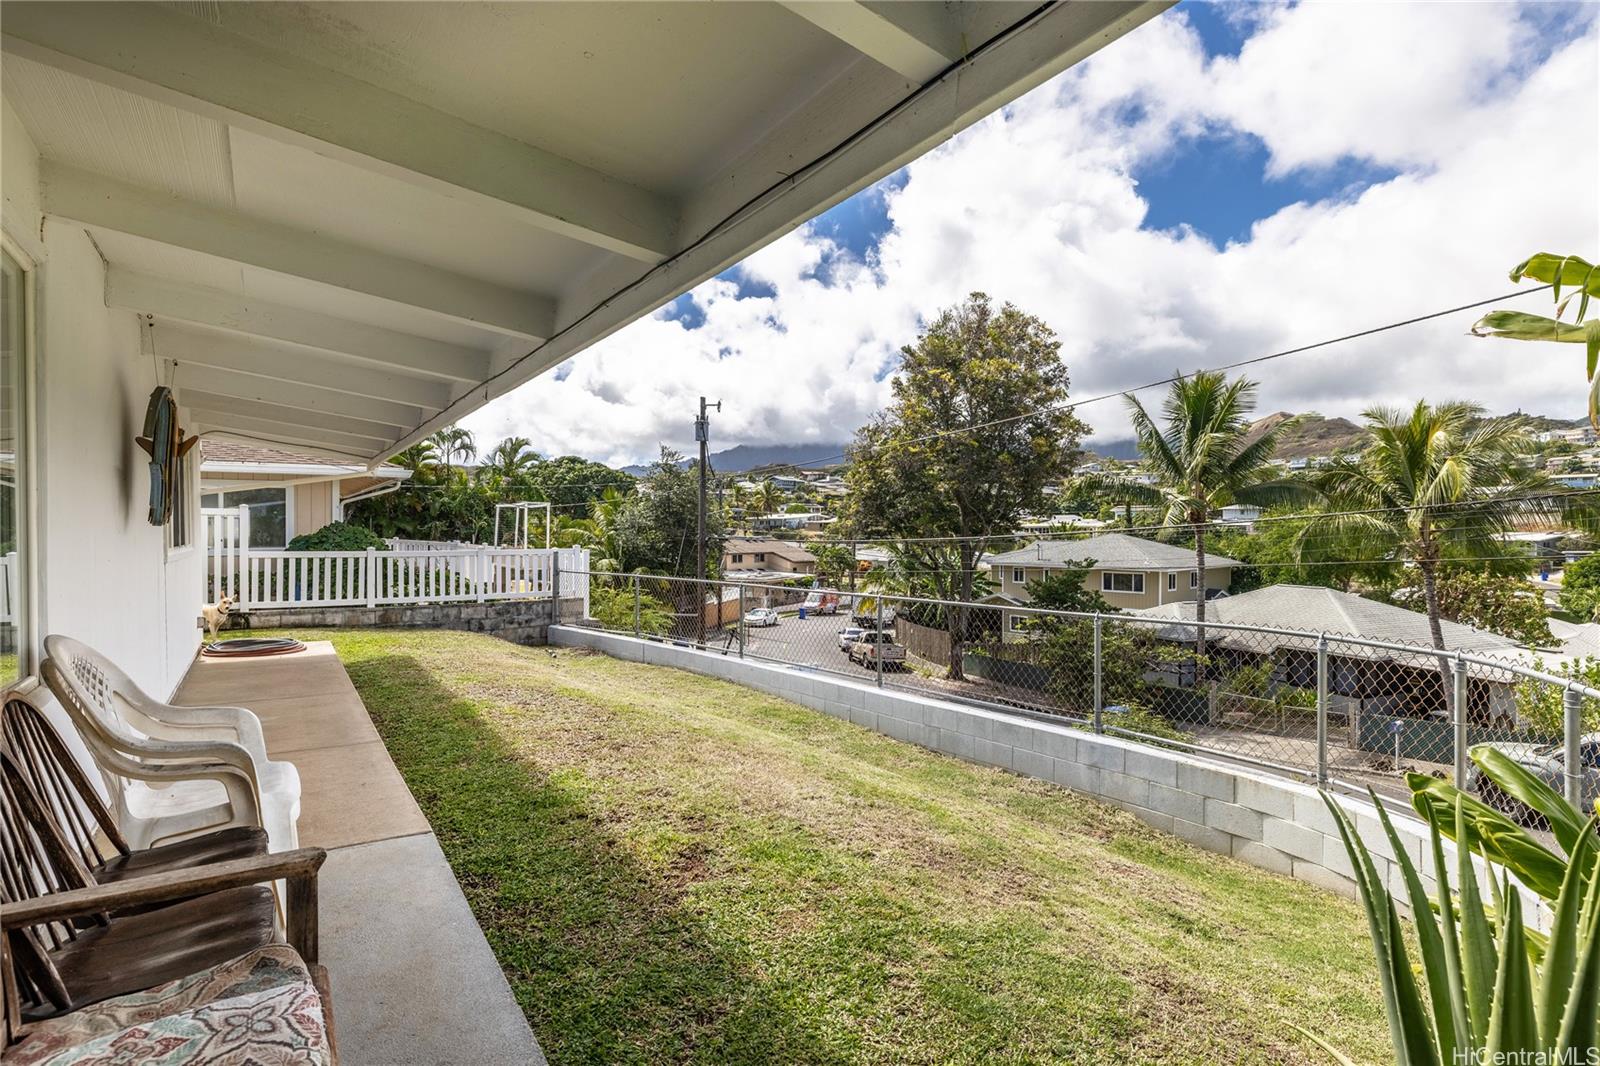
(612, 607)
(338, 537)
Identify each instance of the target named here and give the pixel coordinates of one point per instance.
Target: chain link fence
(1334, 709)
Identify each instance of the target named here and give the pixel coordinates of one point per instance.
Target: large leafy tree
(655, 527)
(979, 426)
(1437, 484)
(569, 481)
(1202, 457)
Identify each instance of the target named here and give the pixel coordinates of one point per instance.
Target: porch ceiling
(355, 223)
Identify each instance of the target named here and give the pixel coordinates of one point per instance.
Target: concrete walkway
(414, 980)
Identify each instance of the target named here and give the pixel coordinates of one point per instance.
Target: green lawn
(672, 868)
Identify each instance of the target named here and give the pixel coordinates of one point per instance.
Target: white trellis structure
(414, 572)
(518, 528)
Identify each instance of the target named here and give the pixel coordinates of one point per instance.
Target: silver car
(848, 636)
(1547, 762)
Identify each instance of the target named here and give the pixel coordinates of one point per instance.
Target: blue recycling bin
(802, 612)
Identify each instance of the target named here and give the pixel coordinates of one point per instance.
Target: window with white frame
(1194, 579)
(1172, 582)
(15, 549)
(1018, 623)
(1119, 581)
(1019, 576)
(269, 513)
(180, 521)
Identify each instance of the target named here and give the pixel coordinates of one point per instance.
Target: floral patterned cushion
(261, 1009)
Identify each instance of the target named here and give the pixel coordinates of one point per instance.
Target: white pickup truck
(874, 645)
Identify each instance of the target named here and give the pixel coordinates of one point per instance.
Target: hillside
(745, 457)
(1312, 435)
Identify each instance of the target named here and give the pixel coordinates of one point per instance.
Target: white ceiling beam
(191, 348)
(105, 203)
(243, 315)
(243, 418)
(389, 415)
(768, 192)
(188, 63)
(912, 38)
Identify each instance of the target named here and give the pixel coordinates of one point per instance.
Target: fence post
(242, 575)
(742, 630)
(636, 603)
(555, 587)
(879, 643)
(1099, 697)
(1571, 726)
(1458, 700)
(1322, 710)
(366, 577)
(481, 571)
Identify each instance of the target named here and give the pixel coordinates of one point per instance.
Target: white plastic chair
(172, 772)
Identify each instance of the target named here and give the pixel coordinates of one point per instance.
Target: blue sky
(1225, 181)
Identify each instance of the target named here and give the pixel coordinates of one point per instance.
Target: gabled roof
(1110, 551)
(1313, 609)
(221, 456)
(781, 548)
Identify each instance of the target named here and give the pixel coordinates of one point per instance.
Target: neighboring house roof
(781, 548)
(1313, 609)
(1576, 640)
(1110, 551)
(220, 456)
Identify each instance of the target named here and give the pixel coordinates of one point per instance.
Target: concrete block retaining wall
(519, 621)
(1258, 818)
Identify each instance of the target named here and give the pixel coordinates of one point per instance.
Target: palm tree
(418, 458)
(1203, 459)
(454, 443)
(1436, 482)
(769, 497)
(508, 462)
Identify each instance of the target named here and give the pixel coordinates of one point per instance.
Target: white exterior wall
(103, 572)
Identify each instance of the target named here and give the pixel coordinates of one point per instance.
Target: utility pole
(702, 434)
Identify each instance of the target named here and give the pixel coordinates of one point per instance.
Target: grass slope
(672, 868)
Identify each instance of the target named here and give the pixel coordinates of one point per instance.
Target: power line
(1072, 405)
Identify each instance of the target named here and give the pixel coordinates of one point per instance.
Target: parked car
(761, 616)
(1547, 762)
(848, 636)
(874, 646)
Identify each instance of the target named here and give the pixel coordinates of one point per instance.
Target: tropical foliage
(977, 429)
(1539, 706)
(1581, 280)
(1488, 989)
(1580, 587)
(1437, 483)
(654, 528)
(338, 537)
(442, 500)
(1202, 457)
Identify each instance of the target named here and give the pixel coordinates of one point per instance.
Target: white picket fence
(263, 580)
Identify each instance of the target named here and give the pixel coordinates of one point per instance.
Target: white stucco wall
(103, 571)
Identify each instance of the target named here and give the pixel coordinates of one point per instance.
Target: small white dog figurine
(216, 614)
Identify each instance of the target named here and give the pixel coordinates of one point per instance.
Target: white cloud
(1497, 158)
